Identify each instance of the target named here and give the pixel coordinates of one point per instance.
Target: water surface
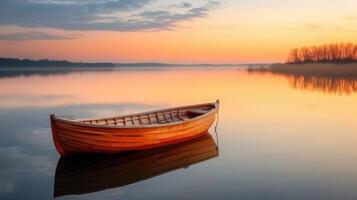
(280, 137)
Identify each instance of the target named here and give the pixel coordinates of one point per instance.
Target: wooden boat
(85, 174)
(132, 132)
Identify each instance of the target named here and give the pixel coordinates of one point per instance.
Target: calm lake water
(279, 137)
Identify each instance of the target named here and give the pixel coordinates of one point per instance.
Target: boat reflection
(92, 173)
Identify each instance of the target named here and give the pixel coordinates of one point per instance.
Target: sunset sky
(173, 31)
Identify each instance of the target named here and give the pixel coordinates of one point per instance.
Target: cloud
(312, 26)
(163, 19)
(317, 27)
(182, 5)
(35, 35)
(304, 27)
(186, 5)
(351, 18)
(108, 15)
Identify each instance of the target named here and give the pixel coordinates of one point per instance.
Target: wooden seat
(197, 112)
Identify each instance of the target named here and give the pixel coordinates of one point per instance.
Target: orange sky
(229, 32)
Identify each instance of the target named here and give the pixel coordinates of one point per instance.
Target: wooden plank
(132, 120)
(172, 116)
(158, 119)
(150, 122)
(163, 113)
(141, 123)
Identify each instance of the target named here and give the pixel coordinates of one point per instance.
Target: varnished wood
(132, 132)
(85, 174)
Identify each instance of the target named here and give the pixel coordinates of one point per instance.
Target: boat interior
(154, 117)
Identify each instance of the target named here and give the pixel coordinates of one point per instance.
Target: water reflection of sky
(26, 149)
(276, 142)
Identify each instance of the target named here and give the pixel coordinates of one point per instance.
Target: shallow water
(279, 138)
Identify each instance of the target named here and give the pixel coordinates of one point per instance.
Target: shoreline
(326, 69)
(310, 69)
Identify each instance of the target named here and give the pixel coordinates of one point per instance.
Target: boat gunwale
(79, 123)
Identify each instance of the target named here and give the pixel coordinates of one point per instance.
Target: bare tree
(294, 56)
(336, 53)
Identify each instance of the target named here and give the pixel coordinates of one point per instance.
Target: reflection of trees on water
(324, 84)
(336, 83)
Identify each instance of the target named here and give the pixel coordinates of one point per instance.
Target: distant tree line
(15, 62)
(327, 53)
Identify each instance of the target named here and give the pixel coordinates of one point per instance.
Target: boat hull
(75, 138)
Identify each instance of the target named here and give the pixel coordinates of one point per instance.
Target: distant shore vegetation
(15, 62)
(326, 53)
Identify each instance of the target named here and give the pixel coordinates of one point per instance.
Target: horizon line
(137, 62)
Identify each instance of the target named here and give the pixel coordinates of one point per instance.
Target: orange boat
(85, 174)
(132, 132)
